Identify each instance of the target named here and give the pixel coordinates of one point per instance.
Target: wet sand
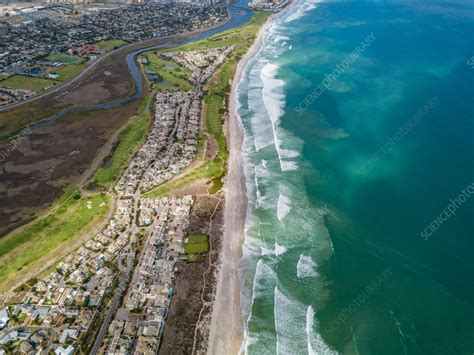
(226, 328)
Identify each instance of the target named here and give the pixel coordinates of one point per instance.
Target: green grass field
(27, 83)
(209, 170)
(110, 44)
(197, 244)
(242, 36)
(129, 139)
(170, 71)
(64, 58)
(69, 71)
(41, 240)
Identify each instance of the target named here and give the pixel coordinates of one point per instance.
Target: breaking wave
(302, 10)
(282, 228)
(306, 267)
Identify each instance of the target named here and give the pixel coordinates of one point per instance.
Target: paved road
(113, 308)
(175, 37)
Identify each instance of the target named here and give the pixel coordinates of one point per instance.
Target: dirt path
(204, 275)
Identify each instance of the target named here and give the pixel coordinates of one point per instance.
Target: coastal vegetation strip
(129, 139)
(215, 107)
(243, 36)
(25, 250)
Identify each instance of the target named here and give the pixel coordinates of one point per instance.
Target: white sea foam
(262, 283)
(262, 131)
(279, 38)
(287, 165)
(274, 101)
(289, 324)
(316, 344)
(257, 191)
(301, 9)
(289, 153)
(266, 251)
(309, 329)
(306, 267)
(279, 249)
(261, 178)
(283, 206)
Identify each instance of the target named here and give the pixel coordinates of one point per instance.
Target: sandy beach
(226, 327)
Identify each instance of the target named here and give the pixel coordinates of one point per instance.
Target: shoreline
(226, 328)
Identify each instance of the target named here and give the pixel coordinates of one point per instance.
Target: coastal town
(268, 5)
(112, 294)
(131, 265)
(46, 45)
(59, 312)
(172, 143)
(187, 177)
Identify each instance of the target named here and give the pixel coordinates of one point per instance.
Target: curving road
(239, 15)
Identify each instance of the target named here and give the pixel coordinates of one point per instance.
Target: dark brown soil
(107, 81)
(35, 173)
(186, 303)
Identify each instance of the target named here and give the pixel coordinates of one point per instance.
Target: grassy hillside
(27, 249)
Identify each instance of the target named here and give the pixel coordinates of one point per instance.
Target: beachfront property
(268, 5)
(139, 323)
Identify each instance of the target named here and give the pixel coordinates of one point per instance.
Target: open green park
(196, 244)
(174, 76)
(110, 44)
(23, 82)
(64, 58)
(69, 71)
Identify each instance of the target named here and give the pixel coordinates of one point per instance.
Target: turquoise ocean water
(359, 160)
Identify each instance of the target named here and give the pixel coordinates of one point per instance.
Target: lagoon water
(339, 255)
